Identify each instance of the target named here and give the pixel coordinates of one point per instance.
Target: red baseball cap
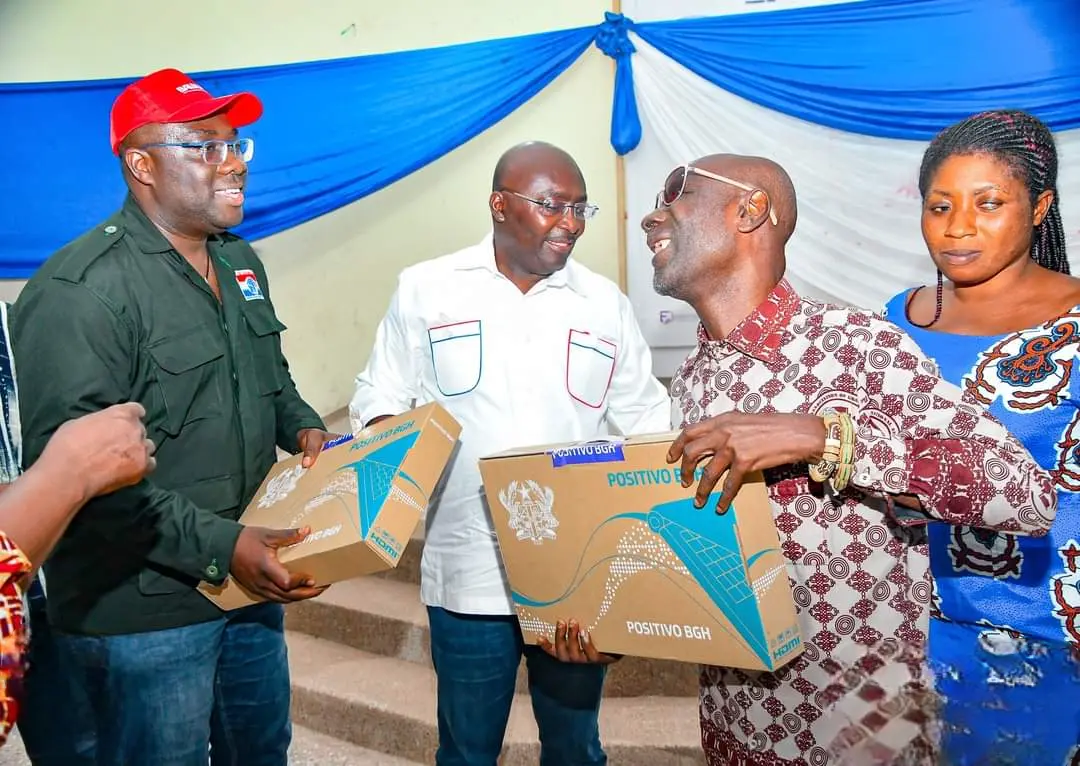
(169, 95)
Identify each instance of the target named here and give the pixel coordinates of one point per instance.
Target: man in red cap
(160, 304)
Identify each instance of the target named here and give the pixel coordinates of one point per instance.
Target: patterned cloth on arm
(1005, 638)
(857, 563)
(13, 633)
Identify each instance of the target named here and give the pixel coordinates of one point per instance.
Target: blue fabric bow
(613, 38)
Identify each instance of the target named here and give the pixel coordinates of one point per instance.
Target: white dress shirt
(561, 363)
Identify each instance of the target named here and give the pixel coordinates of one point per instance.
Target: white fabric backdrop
(651, 10)
(857, 239)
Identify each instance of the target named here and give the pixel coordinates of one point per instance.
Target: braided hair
(1026, 146)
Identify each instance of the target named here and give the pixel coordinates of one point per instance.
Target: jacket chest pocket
(590, 365)
(187, 371)
(266, 355)
(457, 356)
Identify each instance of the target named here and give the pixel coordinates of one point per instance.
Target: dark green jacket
(116, 316)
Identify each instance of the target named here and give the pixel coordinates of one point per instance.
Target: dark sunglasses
(675, 185)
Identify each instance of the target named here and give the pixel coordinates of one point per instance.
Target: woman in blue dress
(1004, 323)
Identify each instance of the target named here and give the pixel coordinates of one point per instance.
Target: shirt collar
(482, 256)
(148, 238)
(760, 334)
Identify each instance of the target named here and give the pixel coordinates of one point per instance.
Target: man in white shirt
(523, 347)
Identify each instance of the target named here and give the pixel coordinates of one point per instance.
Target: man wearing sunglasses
(523, 346)
(861, 444)
(160, 304)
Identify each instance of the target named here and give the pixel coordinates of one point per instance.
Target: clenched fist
(105, 450)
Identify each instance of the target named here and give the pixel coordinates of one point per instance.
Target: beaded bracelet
(845, 466)
(830, 456)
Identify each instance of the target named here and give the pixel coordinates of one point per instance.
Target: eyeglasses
(216, 150)
(675, 185)
(552, 209)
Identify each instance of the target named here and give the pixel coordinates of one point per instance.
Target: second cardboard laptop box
(362, 500)
(604, 533)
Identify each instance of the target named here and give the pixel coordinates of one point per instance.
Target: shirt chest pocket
(590, 366)
(457, 356)
(186, 372)
(266, 330)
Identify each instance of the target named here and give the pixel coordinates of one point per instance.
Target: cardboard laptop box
(362, 499)
(604, 533)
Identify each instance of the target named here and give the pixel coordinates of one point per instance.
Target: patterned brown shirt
(857, 562)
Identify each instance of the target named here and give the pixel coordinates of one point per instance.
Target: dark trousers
(476, 660)
(216, 691)
(55, 719)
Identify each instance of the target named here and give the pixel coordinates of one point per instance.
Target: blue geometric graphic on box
(711, 552)
(375, 475)
(707, 550)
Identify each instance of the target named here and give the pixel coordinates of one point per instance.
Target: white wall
(332, 277)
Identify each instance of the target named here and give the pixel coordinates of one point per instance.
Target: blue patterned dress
(1005, 632)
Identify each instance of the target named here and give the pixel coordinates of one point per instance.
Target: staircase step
(369, 613)
(386, 617)
(310, 748)
(388, 705)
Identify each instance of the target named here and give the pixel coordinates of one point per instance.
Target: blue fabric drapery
(335, 131)
(890, 68)
(331, 133)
